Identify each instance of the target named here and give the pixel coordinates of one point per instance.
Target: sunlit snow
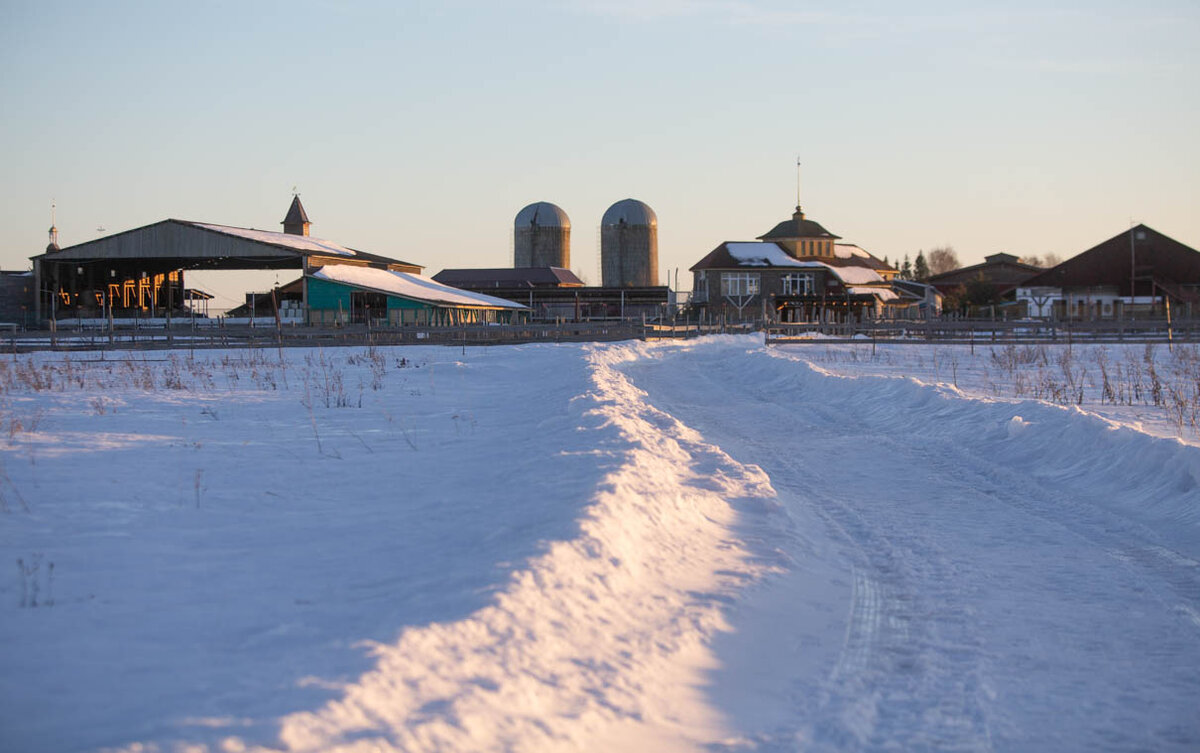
(702, 545)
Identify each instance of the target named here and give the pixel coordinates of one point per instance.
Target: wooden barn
(140, 273)
(1137, 273)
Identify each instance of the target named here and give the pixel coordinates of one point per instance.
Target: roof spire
(296, 222)
(799, 215)
(53, 244)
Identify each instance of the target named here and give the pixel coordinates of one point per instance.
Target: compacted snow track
(1006, 577)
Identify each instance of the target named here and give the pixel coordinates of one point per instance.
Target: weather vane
(797, 180)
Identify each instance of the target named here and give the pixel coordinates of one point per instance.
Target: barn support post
(37, 295)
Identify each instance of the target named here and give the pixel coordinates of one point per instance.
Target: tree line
(977, 292)
(942, 259)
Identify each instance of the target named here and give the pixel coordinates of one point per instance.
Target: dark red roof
(505, 277)
(1140, 252)
(1005, 271)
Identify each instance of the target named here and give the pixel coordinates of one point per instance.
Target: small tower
(802, 237)
(296, 222)
(53, 245)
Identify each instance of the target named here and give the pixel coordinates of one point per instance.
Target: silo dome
(542, 237)
(629, 245)
(631, 212)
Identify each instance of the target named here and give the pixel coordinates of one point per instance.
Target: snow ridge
(603, 640)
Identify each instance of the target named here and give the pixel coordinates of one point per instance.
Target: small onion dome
(542, 214)
(53, 245)
(630, 212)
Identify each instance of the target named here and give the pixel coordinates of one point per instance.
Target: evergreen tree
(920, 268)
(885, 262)
(906, 270)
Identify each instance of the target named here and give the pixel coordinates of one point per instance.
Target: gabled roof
(860, 256)
(295, 214)
(184, 239)
(413, 287)
(797, 227)
(1140, 252)
(506, 277)
(746, 255)
(1005, 271)
(738, 254)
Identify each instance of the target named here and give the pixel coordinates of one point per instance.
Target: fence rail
(97, 336)
(987, 331)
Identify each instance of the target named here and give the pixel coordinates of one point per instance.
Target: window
(798, 283)
(737, 284)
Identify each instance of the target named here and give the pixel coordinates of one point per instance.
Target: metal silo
(542, 237)
(629, 245)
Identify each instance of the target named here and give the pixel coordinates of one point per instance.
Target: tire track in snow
(1021, 630)
(862, 628)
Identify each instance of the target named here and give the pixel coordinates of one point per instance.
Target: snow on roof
(409, 286)
(765, 255)
(771, 255)
(848, 251)
(854, 275)
(885, 294)
(297, 242)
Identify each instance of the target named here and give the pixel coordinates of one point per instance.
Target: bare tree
(1044, 262)
(942, 259)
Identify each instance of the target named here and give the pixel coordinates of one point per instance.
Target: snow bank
(502, 550)
(601, 643)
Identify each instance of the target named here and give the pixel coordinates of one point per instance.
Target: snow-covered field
(710, 545)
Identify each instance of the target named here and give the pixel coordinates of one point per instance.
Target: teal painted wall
(323, 294)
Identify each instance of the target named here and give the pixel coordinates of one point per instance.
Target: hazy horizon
(418, 132)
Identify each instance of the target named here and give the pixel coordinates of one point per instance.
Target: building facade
(796, 272)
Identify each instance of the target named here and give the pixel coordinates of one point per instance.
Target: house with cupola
(800, 272)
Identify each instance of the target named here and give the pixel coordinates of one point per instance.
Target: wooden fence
(977, 331)
(181, 335)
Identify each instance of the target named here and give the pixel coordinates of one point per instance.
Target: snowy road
(669, 547)
(961, 579)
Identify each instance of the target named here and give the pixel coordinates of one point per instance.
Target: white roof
(848, 250)
(765, 255)
(855, 275)
(409, 285)
(885, 294)
(771, 255)
(298, 242)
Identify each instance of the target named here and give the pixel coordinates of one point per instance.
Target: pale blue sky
(418, 130)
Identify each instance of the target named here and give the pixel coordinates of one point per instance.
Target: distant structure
(629, 245)
(542, 237)
(802, 237)
(296, 222)
(798, 272)
(1137, 273)
(53, 245)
